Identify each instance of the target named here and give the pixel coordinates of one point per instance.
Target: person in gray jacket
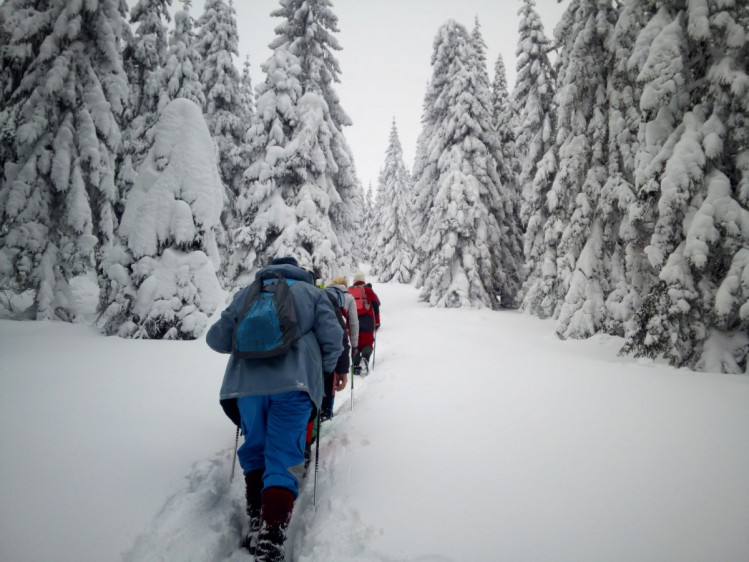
(272, 399)
(352, 319)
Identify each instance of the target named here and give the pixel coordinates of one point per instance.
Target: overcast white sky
(385, 59)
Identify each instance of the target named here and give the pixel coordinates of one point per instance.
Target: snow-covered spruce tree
(315, 45)
(532, 99)
(300, 192)
(361, 239)
(58, 196)
(368, 228)
(697, 314)
(501, 112)
(394, 243)
(144, 59)
(421, 199)
(246, 95)
(504, 119)
(469, 244)
(182, 73)
(578, 275)
(657, 60)
(629, 274)
(169, 229)
(229, 100)
(535, 134)
(23, 27)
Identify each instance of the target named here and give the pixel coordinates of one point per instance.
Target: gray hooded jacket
(315, 351)
(353, 317)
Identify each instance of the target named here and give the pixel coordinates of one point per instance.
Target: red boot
(278, 503)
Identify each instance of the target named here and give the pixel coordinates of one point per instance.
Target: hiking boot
(364, 367)
(278, 503)
(250, 540)
(253, 492)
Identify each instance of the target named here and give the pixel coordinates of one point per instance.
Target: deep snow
(480, 436)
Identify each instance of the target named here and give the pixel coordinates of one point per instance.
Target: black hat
(288, 260)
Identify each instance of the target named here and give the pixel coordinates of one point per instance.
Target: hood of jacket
(289, 272)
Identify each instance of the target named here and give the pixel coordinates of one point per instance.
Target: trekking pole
(351, 370)
(234, 463)
(374, 347)
(317, 460)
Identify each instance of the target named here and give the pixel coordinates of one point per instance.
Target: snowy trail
(481, 436)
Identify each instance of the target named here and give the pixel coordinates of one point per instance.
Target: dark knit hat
(288, 260)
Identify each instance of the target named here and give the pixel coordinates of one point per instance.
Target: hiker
(368, 310)
(338, 291)
(271, 400)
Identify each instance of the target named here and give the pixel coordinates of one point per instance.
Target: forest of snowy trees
(607, 190)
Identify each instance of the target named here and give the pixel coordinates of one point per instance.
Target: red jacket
(370, 321)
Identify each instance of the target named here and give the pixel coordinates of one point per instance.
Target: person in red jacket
(368, 310)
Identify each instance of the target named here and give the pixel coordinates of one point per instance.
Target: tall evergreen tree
(629, 274)
(394, 242)
(24, 25)
(469, 244)
(144, 59)
(504, 119)
(581, 145)
(535, 133)
(300, 193)
(246, 93)
(369, 226)
(583, 262)
(228, 97)
(695, 74)
(181, 75)
(532, 101)
(172, 262)
(57, 200)
(228, 108)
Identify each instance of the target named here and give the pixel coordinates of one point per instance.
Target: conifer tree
(629, 274)
(695, 74)
(246, 94)
(469, 244)
(172, 262)
(24, 24)
(300, 193)
(181, 76)
(394, 242)
(532, 101)
(369, 226)
(144, 59)
(58, 196)
(535, 133)
(589, 238)
(228, 97)
(504, 119)
(570, 231)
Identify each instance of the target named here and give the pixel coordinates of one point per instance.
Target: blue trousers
(274, 429)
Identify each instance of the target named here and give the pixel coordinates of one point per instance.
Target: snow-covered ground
(480, 436)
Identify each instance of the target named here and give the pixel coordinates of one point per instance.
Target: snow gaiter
(278, 503)
(253, 492)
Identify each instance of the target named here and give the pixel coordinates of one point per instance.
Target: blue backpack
(267, 325)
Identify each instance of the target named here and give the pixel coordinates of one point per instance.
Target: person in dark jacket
(368, 309)
(274, 398)
(337, 380)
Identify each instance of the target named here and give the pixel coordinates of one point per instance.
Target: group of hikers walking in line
(292, 346)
